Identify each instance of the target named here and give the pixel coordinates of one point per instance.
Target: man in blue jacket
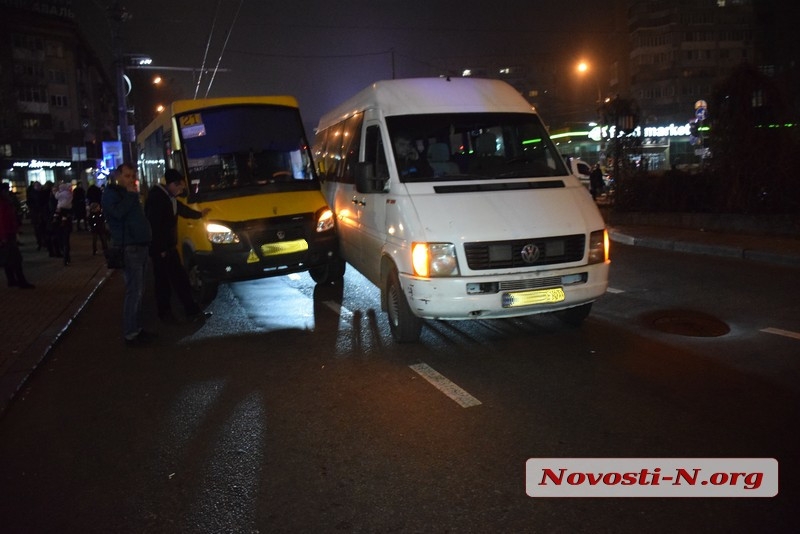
(162, 210)
(131, 230)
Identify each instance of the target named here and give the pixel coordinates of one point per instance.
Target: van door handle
(358, 202)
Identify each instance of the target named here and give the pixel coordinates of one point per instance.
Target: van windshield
(245, 150)
(458, 146)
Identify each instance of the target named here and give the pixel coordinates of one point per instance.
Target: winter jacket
(125, 217)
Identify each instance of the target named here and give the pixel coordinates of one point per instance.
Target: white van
(451, 198)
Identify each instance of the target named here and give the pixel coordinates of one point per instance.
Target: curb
(726, 251)
(17, 375)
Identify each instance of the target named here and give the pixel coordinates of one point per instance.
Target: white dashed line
(615, 290)
(464, 399)
(338, 308)
(779, 332)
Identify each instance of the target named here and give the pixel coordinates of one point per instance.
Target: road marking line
(338, 308)
(464, 399)
(779, 332)
(615, 290)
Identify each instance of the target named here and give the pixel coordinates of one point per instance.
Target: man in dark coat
(162, 210)
(129, 229)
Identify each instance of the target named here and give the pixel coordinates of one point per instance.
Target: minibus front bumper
(238, 263)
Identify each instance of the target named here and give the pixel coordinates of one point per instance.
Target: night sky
(324, 51)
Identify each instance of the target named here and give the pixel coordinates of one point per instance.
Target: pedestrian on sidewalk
(33, 199)
(52, 230)
(162, 210)
(10, 255)
(596, 184)
(63, 219)
(97, 224)
(130, 230)
(79, 207)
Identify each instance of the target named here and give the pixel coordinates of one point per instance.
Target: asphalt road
(291, 410)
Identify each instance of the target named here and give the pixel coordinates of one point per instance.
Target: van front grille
(524, 252)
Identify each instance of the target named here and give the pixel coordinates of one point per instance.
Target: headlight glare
(220, 234)
(434, 259)
(325, 221)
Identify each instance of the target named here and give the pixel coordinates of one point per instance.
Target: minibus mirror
(365, 178)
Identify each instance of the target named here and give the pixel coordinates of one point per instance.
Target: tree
(751, 146)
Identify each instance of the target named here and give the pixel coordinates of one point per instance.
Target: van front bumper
(456, 298)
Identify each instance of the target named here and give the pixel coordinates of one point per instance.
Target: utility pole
(118, 15)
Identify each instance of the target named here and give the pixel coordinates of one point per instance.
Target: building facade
(56, 100)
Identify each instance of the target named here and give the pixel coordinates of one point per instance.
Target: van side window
(374, 152)
(351, 142)
(319, 153)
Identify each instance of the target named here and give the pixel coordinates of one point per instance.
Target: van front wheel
(405, 326)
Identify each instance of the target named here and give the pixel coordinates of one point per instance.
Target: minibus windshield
(243, 150)
(459, 146)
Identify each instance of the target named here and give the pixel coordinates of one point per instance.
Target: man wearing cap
(162, 210)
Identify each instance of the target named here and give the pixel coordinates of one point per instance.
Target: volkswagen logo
(530, 253)
(281, 234)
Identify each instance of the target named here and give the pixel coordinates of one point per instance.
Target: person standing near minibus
(129, 229)
(162, 210)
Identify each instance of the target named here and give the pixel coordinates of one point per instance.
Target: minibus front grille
(524, 252)
(258, 232)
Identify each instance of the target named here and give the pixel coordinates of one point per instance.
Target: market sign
(598, 133)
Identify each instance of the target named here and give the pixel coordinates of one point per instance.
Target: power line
(208, 45)
(224, 45)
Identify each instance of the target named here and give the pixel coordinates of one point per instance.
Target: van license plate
(537, 296)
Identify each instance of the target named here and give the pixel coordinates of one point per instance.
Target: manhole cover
(687, 323)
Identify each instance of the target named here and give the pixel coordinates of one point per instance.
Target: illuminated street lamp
(583, 69)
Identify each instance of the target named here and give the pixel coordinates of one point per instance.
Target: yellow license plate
(284, 247)
(532, 297)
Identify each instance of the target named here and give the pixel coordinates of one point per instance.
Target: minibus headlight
(434, 259)
(220, 234)
(598, 247)
(325, 220)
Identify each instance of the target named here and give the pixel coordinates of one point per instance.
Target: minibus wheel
(405, 326)
(203, 289)
(330, 273)
(575, 316)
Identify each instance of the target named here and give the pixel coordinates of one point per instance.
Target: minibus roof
(415, 96)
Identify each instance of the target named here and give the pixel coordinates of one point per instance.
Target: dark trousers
(13, 265)
(99, 234)
(170, 276)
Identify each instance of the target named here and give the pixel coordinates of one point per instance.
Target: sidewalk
(34, 320)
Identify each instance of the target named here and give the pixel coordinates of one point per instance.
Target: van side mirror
(366, 182)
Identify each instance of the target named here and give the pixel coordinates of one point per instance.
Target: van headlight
(220, 234)
(434, 259)
(598, 247)
(325, 220)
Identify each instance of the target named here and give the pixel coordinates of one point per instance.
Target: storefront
(662, 147)
(20, 173)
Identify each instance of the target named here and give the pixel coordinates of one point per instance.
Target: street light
(583, 69)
